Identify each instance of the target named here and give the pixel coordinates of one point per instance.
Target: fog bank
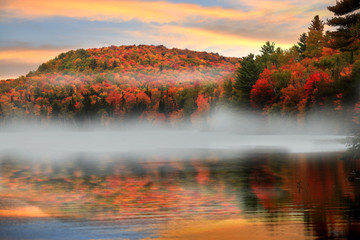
(224, 132)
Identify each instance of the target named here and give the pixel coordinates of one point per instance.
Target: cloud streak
(110, 10)
(28, 55)
(16, 62)
(273, 12)
(196, 38)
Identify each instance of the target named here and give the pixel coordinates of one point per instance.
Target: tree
(227, 86)
(267, 50)
(93, 64)
(315, 40)
(301, 44)
(262, 94)
(291, 98)
(346, 37)
(105, 66)
(56, 108)
(115, 64)
(319, 90)
(246, 77)
(278, 80)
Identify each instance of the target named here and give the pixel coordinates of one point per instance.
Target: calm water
(202, 196)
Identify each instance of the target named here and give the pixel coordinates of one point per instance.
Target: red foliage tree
(262, 94)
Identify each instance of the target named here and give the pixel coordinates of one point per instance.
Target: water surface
(202, 194)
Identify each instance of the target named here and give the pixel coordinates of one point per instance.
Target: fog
(225, 133)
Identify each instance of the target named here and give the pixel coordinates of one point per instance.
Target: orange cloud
(28, 55)
(201, 39)
(16, 62)
(154, 11)
(110, 10)
(291, 17)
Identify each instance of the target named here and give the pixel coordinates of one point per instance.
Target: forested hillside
(150, 83)
(319, 74)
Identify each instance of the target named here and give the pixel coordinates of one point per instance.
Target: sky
(35, 31)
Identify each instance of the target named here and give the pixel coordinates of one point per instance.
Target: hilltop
(147, 58)
(150, 83)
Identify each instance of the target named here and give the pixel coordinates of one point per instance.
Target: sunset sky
(34, 31)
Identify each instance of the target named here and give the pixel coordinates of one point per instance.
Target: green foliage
(114, 65)
(347, 35)
(246, 77)
(93, 64)
(228, 89)
(268, 48)
(189, 107)
(281, 80)
(301, 44)
(353, 87)
(268, 55)
(82, 54)
(43, 67)
(315, 39)
(56, 108)
(329, 62)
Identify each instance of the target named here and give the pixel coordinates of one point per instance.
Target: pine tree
(315, 39)
(93, 64)
(115, 64)
(105, 66)
(347, 21)
(301, 44)
(227, 85)
(246, 77)
(266, 51)
(268, 48)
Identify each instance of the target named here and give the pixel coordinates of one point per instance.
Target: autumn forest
(153, 84)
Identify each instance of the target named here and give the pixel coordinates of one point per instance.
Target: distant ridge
(110, 84)
(128, 58)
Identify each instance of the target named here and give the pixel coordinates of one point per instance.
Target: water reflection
(277, 194)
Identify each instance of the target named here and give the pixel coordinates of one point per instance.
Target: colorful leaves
(314, 81)
(262, 93)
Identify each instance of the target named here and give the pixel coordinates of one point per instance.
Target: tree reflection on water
(268, 188)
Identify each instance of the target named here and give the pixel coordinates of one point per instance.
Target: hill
(151, 83)
(172, 86)
(132, 58)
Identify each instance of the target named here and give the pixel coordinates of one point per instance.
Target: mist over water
(134, 180)
(226, 133)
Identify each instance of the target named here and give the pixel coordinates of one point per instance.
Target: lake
(177, 185)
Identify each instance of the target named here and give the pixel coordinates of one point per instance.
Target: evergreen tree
(266, 51)
(301, 44)
(105, 66)
(268, 48)
(56, 108)
(315, 39)
(93, 64)
(115, 64)
(227, 85)
(347, 21)
(71, 105)
(246, 77)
